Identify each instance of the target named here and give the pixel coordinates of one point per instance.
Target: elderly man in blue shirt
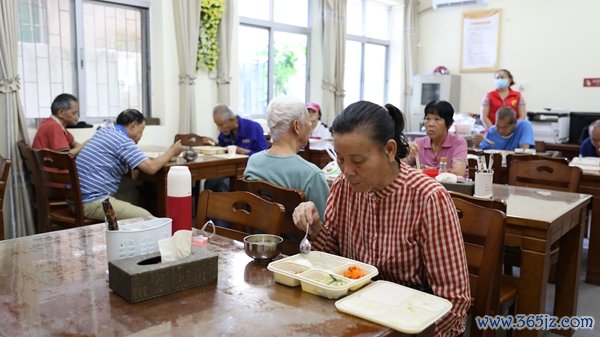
(246, 134)
(591, 145)
(508, 133)
(107, 156)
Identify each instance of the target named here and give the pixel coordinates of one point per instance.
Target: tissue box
(467, 187)
(143, 277)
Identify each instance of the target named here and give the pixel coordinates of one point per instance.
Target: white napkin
(447, 177)
(176, 247)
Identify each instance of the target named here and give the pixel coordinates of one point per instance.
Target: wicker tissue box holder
(467, 187)
(143, 277)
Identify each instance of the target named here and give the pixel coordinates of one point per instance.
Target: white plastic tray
(395, 306)
(315, 272)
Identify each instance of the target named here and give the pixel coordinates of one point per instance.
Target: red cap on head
(313, 106)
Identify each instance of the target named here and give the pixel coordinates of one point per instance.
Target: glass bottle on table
(443, 167)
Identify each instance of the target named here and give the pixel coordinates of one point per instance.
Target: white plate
(228, 156)
(395, 306)
(207, 149)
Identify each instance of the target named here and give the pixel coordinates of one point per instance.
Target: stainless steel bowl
(263, 248)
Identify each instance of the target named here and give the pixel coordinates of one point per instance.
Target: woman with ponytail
(383, 212)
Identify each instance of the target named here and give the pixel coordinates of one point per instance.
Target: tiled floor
(588, 302)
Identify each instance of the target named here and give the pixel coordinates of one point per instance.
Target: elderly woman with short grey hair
(289, 126)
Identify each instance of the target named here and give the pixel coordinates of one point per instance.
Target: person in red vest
(503, 95)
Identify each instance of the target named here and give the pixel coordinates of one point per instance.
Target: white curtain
(224, 60)
(18, 213)
(187, 25)
(411, 37)
(334, 55)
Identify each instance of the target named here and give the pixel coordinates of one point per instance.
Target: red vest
(512, 100)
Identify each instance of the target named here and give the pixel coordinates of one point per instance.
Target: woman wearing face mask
(503, 95)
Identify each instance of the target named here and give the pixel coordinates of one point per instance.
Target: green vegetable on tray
(333, 281)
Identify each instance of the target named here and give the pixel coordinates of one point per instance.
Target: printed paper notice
(480, 40)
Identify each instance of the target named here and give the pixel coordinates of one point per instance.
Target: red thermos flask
(179, 197)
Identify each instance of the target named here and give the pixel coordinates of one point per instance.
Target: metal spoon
(305, 244)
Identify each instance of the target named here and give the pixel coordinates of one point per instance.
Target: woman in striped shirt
(383, 212)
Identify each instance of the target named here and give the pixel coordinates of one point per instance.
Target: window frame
(272, 26)
(79, 67)
(364, 40)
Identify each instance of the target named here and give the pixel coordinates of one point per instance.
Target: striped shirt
(410, 231)
(103, 161)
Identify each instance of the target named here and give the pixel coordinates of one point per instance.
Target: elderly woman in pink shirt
(439, 142)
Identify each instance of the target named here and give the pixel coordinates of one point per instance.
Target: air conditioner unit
(456, 3)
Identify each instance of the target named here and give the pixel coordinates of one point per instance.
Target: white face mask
(501, 83)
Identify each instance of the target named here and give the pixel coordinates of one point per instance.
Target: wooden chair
(4, 170)
(509, 284)
(529, 157)
(497, 165)
(289, 199)
(566, 150)
(240, 208)
(60, 181)
(472, 167)
(37, 194)
(192, 139)
(554, 174)
(483, 234)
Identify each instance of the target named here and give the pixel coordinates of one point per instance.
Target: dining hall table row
(589, 183)
(535, 220)
(55, 284)
(203, 167)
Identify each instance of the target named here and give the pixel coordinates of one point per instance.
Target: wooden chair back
(4, 170)
(549, 174)
(192, 139)
(483, 202)
(483, 234)
(60, 181)
(37, 194)
(472, 167)
(530, 157)
(512, 255)
(566, 150)
(496, 166)
(289, 199)
(240, 208)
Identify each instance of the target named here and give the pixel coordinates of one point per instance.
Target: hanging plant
(211, 12)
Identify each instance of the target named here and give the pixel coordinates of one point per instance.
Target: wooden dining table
(536, 219)
(590, 183)
(203, 167)
(55, 284)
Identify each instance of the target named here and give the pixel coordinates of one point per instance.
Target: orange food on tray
(354, 272)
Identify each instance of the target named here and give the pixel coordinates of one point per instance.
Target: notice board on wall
(480, 40)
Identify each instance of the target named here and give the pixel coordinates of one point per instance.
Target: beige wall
(548, 45)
